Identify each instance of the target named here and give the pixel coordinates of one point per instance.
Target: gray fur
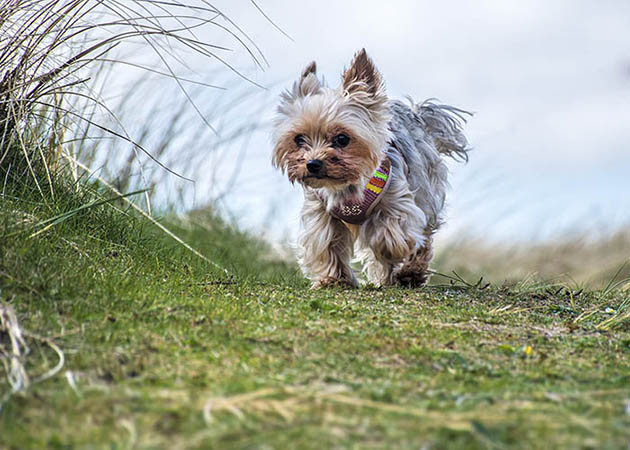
(413, 204)
(420, 132)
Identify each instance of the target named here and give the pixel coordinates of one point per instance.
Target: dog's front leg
(325, 246)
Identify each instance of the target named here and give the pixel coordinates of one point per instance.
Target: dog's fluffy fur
(395, 243)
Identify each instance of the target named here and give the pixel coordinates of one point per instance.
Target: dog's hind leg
(414, 270)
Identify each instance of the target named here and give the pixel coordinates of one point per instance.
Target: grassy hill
(164, 350)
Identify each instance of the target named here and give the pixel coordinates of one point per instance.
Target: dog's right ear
(309, 84)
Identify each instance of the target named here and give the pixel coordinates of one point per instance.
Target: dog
(372, 171)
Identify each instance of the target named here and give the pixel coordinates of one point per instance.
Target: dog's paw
(408, 277)
(333, 282)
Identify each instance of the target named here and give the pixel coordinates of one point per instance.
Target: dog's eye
(299, 140)
(340, 141)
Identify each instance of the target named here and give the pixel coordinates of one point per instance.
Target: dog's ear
(363, 77)
(363, 85)
(309, 84)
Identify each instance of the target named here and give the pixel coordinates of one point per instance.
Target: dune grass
(61, 66)
(163, 350)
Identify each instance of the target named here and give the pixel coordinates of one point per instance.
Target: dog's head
(333, 138)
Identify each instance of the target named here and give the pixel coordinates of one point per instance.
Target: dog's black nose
(314, 166)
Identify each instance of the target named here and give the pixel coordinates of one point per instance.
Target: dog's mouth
(320, 176)
(322, 180)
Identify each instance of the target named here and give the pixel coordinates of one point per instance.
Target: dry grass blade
(271, 21)
(14, 351)
(232, 404)
(291, 401)
(13, 356)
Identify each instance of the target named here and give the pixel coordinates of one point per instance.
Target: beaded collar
(357, 212)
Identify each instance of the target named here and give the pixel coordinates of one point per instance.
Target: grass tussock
(54, 56)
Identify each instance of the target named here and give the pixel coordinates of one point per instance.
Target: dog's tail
(444, 124)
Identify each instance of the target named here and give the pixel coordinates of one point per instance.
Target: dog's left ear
(362, 77)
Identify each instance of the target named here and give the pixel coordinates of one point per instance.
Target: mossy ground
(164, 351)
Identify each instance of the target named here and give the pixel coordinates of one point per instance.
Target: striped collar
(357, 212)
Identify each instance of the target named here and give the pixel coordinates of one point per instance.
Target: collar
(358, 212)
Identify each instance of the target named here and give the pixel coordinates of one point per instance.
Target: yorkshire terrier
(373, 175)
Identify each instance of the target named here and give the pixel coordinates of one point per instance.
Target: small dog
(372, 171)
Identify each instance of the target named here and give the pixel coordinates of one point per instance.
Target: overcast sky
(549, 82)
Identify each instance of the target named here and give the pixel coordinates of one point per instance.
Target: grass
(580, 260)
(60, 65)
(163, 350)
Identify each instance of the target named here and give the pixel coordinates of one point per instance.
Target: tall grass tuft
(52, 54)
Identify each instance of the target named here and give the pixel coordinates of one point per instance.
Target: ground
(163, 350)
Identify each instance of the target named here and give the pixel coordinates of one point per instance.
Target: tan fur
(342, 166)
(355, 230)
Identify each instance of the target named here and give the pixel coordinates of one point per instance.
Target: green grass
(165, 351)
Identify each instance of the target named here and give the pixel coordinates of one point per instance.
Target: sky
(548, 82)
